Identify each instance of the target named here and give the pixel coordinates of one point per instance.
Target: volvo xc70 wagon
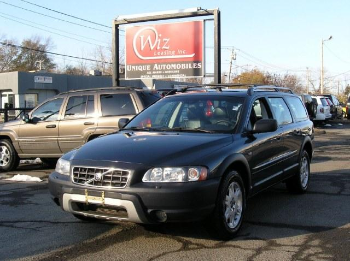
(191, 156)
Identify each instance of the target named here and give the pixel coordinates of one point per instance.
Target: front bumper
(140, 203)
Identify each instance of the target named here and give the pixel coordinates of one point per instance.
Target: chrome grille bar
(100, 177)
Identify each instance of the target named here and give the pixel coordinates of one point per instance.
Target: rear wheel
(228, 214)
(300, 181)
(9, 159)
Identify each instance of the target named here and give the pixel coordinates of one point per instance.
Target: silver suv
(67, 121)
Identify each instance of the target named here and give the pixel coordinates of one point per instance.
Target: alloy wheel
(233, 205)
(4, 156)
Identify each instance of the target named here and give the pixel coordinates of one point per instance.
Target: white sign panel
(42, 79)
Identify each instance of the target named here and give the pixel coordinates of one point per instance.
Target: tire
(227, 217)
(50, 162)
(9, 159)
(299, 183)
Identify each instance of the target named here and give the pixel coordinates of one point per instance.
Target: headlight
(63, 166)
(172, 174)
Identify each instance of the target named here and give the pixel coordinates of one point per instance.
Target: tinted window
(117, 105)
(76, 107)
(148, 98)
(295, 104)
(48, 111)
(324, 102)
(281, 111)
(188, 113)
(335, 100)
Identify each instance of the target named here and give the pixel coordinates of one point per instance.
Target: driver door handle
(51, 126)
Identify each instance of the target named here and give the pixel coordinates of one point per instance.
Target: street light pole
(322, 73)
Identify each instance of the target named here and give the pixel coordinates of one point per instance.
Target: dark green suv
(191, 156)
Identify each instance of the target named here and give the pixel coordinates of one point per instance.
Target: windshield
(190, 113)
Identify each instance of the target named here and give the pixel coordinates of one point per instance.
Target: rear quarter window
(117, 104)
(147, 98)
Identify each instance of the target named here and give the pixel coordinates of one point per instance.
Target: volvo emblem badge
(98, 176)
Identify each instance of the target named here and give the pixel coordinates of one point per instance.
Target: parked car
(323, 109)
(67, 121)
(310, 104)
(333, 109)
(175, 161)
(337, 110)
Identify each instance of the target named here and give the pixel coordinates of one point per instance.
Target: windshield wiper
(140, 129)
(182, 129)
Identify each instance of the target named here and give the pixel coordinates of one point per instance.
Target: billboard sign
(164, 50)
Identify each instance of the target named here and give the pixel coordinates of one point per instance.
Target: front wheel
(299, 183)
(9, 159)
(228, 214)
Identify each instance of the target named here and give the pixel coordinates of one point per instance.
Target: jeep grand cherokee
(67, 121)
(188, 157)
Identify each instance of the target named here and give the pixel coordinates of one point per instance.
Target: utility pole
(330, 38)
(233, 57)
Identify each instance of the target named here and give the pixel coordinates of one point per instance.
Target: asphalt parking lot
(278, 225)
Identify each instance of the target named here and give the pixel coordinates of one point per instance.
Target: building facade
(27, 89)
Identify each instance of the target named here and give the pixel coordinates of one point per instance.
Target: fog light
(160, 215)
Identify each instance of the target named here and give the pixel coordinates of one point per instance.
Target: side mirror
(122, 122)
(265, 125)
(26, 118)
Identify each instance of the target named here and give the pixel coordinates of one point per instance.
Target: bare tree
(8, 54)
(33, 51)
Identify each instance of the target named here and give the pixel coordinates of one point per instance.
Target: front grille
(100, 177)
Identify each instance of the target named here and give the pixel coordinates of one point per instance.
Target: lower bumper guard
(100, 207)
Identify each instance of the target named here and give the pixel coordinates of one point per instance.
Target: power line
(59, 54)
(89, 38)
(335, 55)
(333, 76)
(52, 10)
(53, 32)
(59, 19)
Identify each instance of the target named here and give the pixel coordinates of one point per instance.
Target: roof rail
(251, 88)
(270, 88)
(104, 88)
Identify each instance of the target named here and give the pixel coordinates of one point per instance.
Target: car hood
(152, 148)
(10, 124)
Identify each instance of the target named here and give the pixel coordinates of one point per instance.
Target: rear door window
(76, 107)
(281, 111)
(295, 104)
(117, 104)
